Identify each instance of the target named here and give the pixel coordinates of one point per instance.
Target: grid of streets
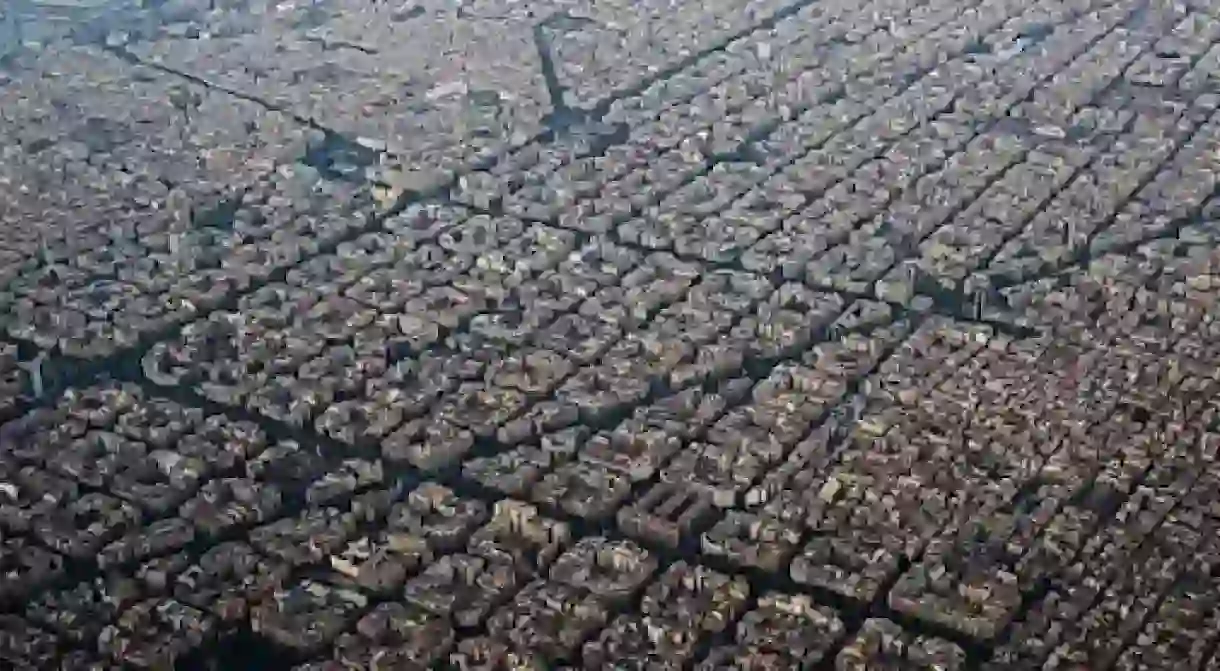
(636, 334)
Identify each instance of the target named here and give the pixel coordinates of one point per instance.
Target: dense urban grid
(636, 334)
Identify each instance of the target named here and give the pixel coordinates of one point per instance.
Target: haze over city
(648, 334)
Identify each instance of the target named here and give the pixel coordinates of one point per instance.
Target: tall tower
(10, 28)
